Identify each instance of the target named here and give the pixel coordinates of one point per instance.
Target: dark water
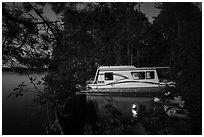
(20, 115)
(123, 104)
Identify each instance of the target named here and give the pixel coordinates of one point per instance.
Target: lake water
(20, 115)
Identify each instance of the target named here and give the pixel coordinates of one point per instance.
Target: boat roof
(116, 68)
(125, 68)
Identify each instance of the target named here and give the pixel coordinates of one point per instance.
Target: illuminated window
(150, 75)
(138, 75)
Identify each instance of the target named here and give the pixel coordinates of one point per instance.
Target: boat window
(138, 75)
(109, 76)
(164, 74)
(150, 75)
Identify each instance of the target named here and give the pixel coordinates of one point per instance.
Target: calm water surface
(20, 115)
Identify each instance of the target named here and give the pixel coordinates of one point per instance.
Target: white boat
(128, 89)
(127, 79)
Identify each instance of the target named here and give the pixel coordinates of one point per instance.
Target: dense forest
(86, 35)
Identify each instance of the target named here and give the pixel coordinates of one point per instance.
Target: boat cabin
(125, 77)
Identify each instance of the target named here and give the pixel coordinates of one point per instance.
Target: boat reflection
(129, 104)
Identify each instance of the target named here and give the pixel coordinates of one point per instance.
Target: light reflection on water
(124, 104)
(20, 115)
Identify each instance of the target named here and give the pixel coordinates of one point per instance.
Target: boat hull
(145, 91)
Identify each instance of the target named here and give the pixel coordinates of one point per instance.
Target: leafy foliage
(98, 34)
(93, 34)
(27, 39)
(181, 27)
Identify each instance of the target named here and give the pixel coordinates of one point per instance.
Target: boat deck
(140, 92)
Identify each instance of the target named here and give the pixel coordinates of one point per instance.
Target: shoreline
(24, 70)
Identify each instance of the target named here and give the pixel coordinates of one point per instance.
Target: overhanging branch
(45, 21)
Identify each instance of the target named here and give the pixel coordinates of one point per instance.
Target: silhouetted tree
(99, 34)
(28, 36)
(180, 25)
(92, 34)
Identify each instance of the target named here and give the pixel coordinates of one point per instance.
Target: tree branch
(35, 86)
(24, 41)
(46, 22)
(57, 122)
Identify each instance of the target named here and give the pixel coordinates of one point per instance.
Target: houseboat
(128, 79)
(128, 89)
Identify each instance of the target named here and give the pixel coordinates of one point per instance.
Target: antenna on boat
(131, 54)
(137, 56)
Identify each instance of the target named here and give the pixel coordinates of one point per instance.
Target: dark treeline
(93, 34)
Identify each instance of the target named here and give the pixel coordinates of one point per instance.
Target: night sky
(146, 7)
(149, 9)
